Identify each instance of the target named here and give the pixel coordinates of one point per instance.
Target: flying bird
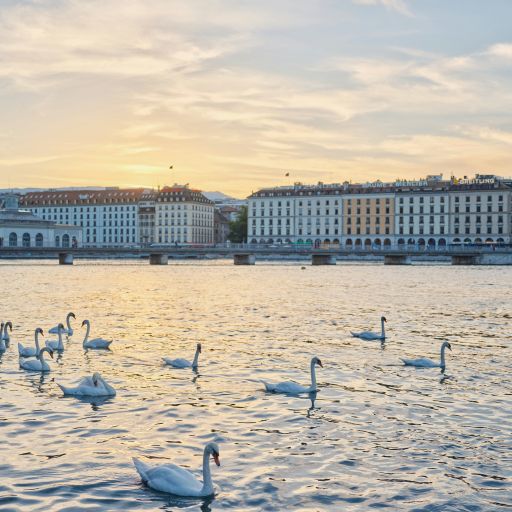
(287, 174)
(171, 166)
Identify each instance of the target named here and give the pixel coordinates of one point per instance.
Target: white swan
(5, 335)
(183, 363)
(3, 346)
(372, 336)
(31, 351)
(90, 386)
(38, 364)
(428, 363)
(96, 342)
(68, 329)
(57, 344)
(293, 388)
(172, 479)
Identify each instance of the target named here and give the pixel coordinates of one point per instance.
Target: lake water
(380, 435)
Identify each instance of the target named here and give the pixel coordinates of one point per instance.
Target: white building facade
(428, 212)
(129, 217)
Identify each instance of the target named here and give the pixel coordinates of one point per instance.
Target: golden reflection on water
(378, 433)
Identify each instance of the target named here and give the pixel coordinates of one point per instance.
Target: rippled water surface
(378, 435)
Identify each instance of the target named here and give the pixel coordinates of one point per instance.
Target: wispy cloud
(395, 5)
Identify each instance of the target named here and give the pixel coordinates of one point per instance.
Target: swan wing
(34, 365)
(177, 363)
(97, 343)
(26, 351)
(54, 330)
(420, 363)
(288, 387)
(171, 479)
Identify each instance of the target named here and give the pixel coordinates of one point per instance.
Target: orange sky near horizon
(235, 95)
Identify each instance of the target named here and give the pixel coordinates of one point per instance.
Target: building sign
(477, 181)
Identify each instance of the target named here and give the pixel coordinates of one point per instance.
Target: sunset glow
(235, 94)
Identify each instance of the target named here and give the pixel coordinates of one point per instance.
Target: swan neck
(443, 348)
(68, 322)
(313, 376)
(36, 336)
(88, 328)
(383, 331)
(40, 356)
(207, 476)
(196, 358)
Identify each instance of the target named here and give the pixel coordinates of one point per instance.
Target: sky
(234, 94)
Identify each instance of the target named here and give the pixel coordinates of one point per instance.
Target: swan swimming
(96, 342)
(57, 344)
(183, 363)
(38, 364)
(172, 479)
(372, 336)
(428, 363)
(31, 351)
(68, 329)
(5, 335)
(90, 386)
(293, 388)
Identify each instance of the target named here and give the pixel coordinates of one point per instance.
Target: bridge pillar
(323, 259)
(244, 259)
(158, 259)
(397, 259)
(464, 259)
(65, 258)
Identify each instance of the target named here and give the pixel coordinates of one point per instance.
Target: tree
(238, 227)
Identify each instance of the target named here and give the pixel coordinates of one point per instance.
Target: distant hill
(219, 196)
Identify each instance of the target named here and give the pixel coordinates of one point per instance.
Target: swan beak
(320, 363)
(51, 354)
(216, 458)
(83, 323)
(73, 315)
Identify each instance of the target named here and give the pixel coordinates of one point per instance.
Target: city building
(221, 227)
(114, 217)
(20, 228)
(429, 212)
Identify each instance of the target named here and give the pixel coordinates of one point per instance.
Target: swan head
(71, 315)
(213, 450)
(317, 361)
(199, 347)
(8, 324)
(447, 345)
(60, 327)
(383, 319)
(96, 378)
(39, 331)
(85, 322)
(46, 349)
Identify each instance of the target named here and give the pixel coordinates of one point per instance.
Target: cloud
(395, 5)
